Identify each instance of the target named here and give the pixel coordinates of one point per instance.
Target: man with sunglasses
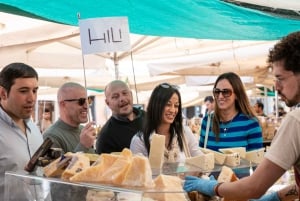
(125, 121)
(284, 152)
(67, 132)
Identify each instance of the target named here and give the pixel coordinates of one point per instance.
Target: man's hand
(88, 135)
(205, 186)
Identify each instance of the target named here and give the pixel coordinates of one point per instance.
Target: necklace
(226, 125)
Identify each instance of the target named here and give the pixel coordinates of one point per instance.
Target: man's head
(119, 98)
(285, 61)
(209, 103)
(73, 105)
(259, 108)
(46, 114)
(18, 90)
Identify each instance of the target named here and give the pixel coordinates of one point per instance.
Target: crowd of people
(229, 121)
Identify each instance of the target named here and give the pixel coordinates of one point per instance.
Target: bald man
(125, 121)
(67, 132)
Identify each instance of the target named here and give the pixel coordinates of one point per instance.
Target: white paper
(109, 34)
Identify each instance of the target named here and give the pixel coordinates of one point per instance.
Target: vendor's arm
(288, 193)
(255, 185)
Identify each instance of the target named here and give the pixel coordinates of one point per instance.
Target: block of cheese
(233, 159)
(197, 196)
(255, 156)
(227, 175)
(139, 173)
(109, 195)
(99, 195)
(78, 163)
(93, 157)
(219, 157)
(156, 154)
(94, 172)
(205, 161)
(241, 150)
(168, 187)
(115, 174)
(58, 166)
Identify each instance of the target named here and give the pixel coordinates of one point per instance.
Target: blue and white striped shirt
(242, 131)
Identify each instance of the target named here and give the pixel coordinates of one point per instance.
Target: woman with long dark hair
(164, 117)
(233, 122)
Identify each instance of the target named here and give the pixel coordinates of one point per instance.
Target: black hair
(288, 51)
(158, 100)
(209, 98)
(260, 104)
(11, 72)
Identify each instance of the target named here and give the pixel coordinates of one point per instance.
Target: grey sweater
(66, 137)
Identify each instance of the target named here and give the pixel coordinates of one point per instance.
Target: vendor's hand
(204, 186)
(88, 135)
(268, 197)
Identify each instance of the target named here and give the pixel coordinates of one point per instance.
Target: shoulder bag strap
(207, 130)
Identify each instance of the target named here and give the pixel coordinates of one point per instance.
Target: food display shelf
(22, 186)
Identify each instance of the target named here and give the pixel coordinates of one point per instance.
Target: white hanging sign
(109, 34)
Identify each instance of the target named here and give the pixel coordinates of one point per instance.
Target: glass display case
(27, 187)
(22, 186)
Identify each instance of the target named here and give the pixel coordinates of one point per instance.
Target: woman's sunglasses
(80, 101)
(225, 92)
(167, 85)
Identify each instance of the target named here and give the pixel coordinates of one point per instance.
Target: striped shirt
(242, 131)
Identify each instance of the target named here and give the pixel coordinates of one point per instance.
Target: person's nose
(277, 86)
(32, 96)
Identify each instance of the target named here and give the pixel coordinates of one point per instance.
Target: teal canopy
(205, 19)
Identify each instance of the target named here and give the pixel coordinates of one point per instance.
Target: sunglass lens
(227, 92)
(216, 92)
(81, 101)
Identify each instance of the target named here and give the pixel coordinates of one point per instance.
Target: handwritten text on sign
(104, 35)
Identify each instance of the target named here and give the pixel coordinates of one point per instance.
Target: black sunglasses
(167, 86)
(80, 101)
(225, 92)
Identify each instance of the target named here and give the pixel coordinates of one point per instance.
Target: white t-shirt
(285, 147)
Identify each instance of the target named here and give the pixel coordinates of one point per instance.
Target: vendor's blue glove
(268, 197)
(204, 186)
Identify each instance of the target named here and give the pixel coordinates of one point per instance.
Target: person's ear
(3, 93)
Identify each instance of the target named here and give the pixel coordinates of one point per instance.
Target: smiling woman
(164, 117)
(233, 122)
